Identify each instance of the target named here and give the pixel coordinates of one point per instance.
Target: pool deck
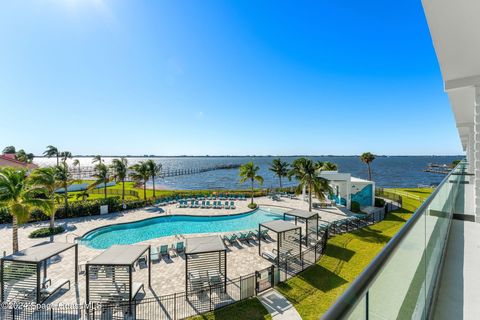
(168, 275)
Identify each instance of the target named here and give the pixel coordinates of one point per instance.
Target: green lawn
(251, 309)
(313, 291)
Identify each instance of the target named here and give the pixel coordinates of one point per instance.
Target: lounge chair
(226, 205)
(231, 238)
(164, 250)
(250, 235)
(214, 278)
(214, 206)
(154, 254)
(232, 205)
(196, 281)
(203, 204)
(242, 237)
(263, 234)
(180, 247)
(208, 205)
(50, 290)
(270, 255)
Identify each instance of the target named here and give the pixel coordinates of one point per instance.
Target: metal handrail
(357, 290)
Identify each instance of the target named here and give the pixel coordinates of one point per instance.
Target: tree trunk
(145, 190)
(57, 159)
(310, 197)
(52, 219)
(15, 234)
(280, 177)
(123, 189)
(153, 180)
(252, 193)
(369, 172)
(66, 198)
(105, 189)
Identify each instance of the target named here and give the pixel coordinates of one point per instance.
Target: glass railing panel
(398, 287)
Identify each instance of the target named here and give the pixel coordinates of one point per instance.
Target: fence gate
(264, 279)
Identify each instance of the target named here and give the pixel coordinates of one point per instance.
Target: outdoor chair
(52, 289)
(164, 250)
(154, 254)
(230, 238)
(232, 205)
(180, 247)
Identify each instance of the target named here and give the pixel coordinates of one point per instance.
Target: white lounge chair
(50, 290)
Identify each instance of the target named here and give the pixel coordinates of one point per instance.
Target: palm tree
(325, 166)
(20, 198)
(48, 179)
(76, 164)
(119, 172)
(280, 168)
(102, 174)
(9, 150)
(368, 158)
(304, 170)
(248, 171)
(65, 178)
(140, 174)
(64, 155)
(97, 158)
(155, 170)
(51, 152)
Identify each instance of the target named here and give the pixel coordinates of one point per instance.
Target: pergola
(289, 239)
(109, 275)
(311, 222)
(205, 262)
(21, 272)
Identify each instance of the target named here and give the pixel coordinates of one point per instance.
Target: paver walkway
(278, 306)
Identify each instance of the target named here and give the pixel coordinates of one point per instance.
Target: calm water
(397, 171)
(134, 232)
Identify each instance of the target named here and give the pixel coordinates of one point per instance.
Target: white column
(476, 151)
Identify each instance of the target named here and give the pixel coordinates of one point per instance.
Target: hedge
(87, 207)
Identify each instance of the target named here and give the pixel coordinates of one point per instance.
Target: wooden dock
(87, 172)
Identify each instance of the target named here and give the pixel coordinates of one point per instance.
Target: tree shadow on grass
(372, 236)
(319, 278)
(340, 253)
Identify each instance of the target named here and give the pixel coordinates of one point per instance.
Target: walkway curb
(278, 306)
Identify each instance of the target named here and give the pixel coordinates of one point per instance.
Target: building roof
(40, 252)
(204, 244)
(279, 226)
(120, 255)
(301, 213)
(8, 160)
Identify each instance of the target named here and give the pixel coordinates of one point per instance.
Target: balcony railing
(401, 282)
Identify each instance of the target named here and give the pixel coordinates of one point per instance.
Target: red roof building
(8, 160)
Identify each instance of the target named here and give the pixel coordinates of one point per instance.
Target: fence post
(175, 306)
(211, 308)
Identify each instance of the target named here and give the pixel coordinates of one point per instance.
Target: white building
(347, 189)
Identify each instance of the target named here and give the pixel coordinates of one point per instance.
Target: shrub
(252, 205)
(46, 232)
(379, 202)
(355, 206)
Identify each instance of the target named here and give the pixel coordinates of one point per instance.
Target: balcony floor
(459, 289)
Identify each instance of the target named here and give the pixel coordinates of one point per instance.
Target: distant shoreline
(256, 156)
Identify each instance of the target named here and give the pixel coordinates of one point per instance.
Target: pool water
(133, 232)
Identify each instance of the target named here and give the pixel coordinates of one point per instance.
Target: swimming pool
(133, 232)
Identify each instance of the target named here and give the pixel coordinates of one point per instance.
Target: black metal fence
(183, 305)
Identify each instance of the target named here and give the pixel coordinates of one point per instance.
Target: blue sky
(221, 77)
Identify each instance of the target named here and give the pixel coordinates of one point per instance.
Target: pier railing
(87, 172)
